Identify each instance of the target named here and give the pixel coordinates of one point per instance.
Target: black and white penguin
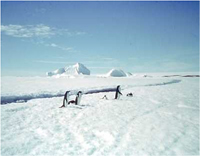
(130, 94)
(118, 92)
(66, 97)
(77, 100)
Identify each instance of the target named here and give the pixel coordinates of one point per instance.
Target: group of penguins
(80, 93)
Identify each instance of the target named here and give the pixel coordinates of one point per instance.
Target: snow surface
(76, 69)
(162, 117)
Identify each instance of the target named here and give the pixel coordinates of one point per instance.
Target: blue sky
(37, 37)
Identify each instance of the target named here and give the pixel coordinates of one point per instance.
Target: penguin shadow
(126, 96)
(74, 107)
(80, 106)
(86, 105)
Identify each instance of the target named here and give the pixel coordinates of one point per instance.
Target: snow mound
(116, 73)
(77, 69)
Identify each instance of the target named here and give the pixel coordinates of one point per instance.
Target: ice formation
(76, 69)
(116, 73)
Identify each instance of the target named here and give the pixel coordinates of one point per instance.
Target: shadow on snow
(25, 98)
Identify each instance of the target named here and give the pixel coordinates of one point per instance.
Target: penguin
(66, 97)
(77, 100)
(118, 92)
(105, 97)
(130, 94)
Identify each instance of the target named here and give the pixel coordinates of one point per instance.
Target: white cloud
(70, 33)
(53, 45)
(80, 33)
(40, 30)
(28, 31)
(69, 49)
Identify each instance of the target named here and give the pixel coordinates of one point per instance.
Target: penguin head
(66, 93)
(118, 86)
(79, 93)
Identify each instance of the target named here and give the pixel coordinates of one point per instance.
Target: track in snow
(25, 98)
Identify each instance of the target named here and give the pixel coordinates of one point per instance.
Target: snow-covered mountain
(77, 69)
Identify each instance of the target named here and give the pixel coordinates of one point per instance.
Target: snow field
(158, 120)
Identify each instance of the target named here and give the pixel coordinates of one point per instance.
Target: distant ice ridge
(77, 69)
(56, 72)
(117, 73)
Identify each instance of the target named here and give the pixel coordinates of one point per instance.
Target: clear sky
(37, 37)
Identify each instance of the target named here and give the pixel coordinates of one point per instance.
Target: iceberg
(116, 73)
(77, 69)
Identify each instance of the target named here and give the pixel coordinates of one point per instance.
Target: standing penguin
(66, 97)
(77, 100)
(118, 92)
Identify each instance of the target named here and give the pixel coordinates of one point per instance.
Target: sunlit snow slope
(162, 117)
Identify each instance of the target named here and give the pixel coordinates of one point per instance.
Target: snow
(116, 73)
(162, 117)
(129, 74)
(76, 69)
(56, 72)
(80, 69)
